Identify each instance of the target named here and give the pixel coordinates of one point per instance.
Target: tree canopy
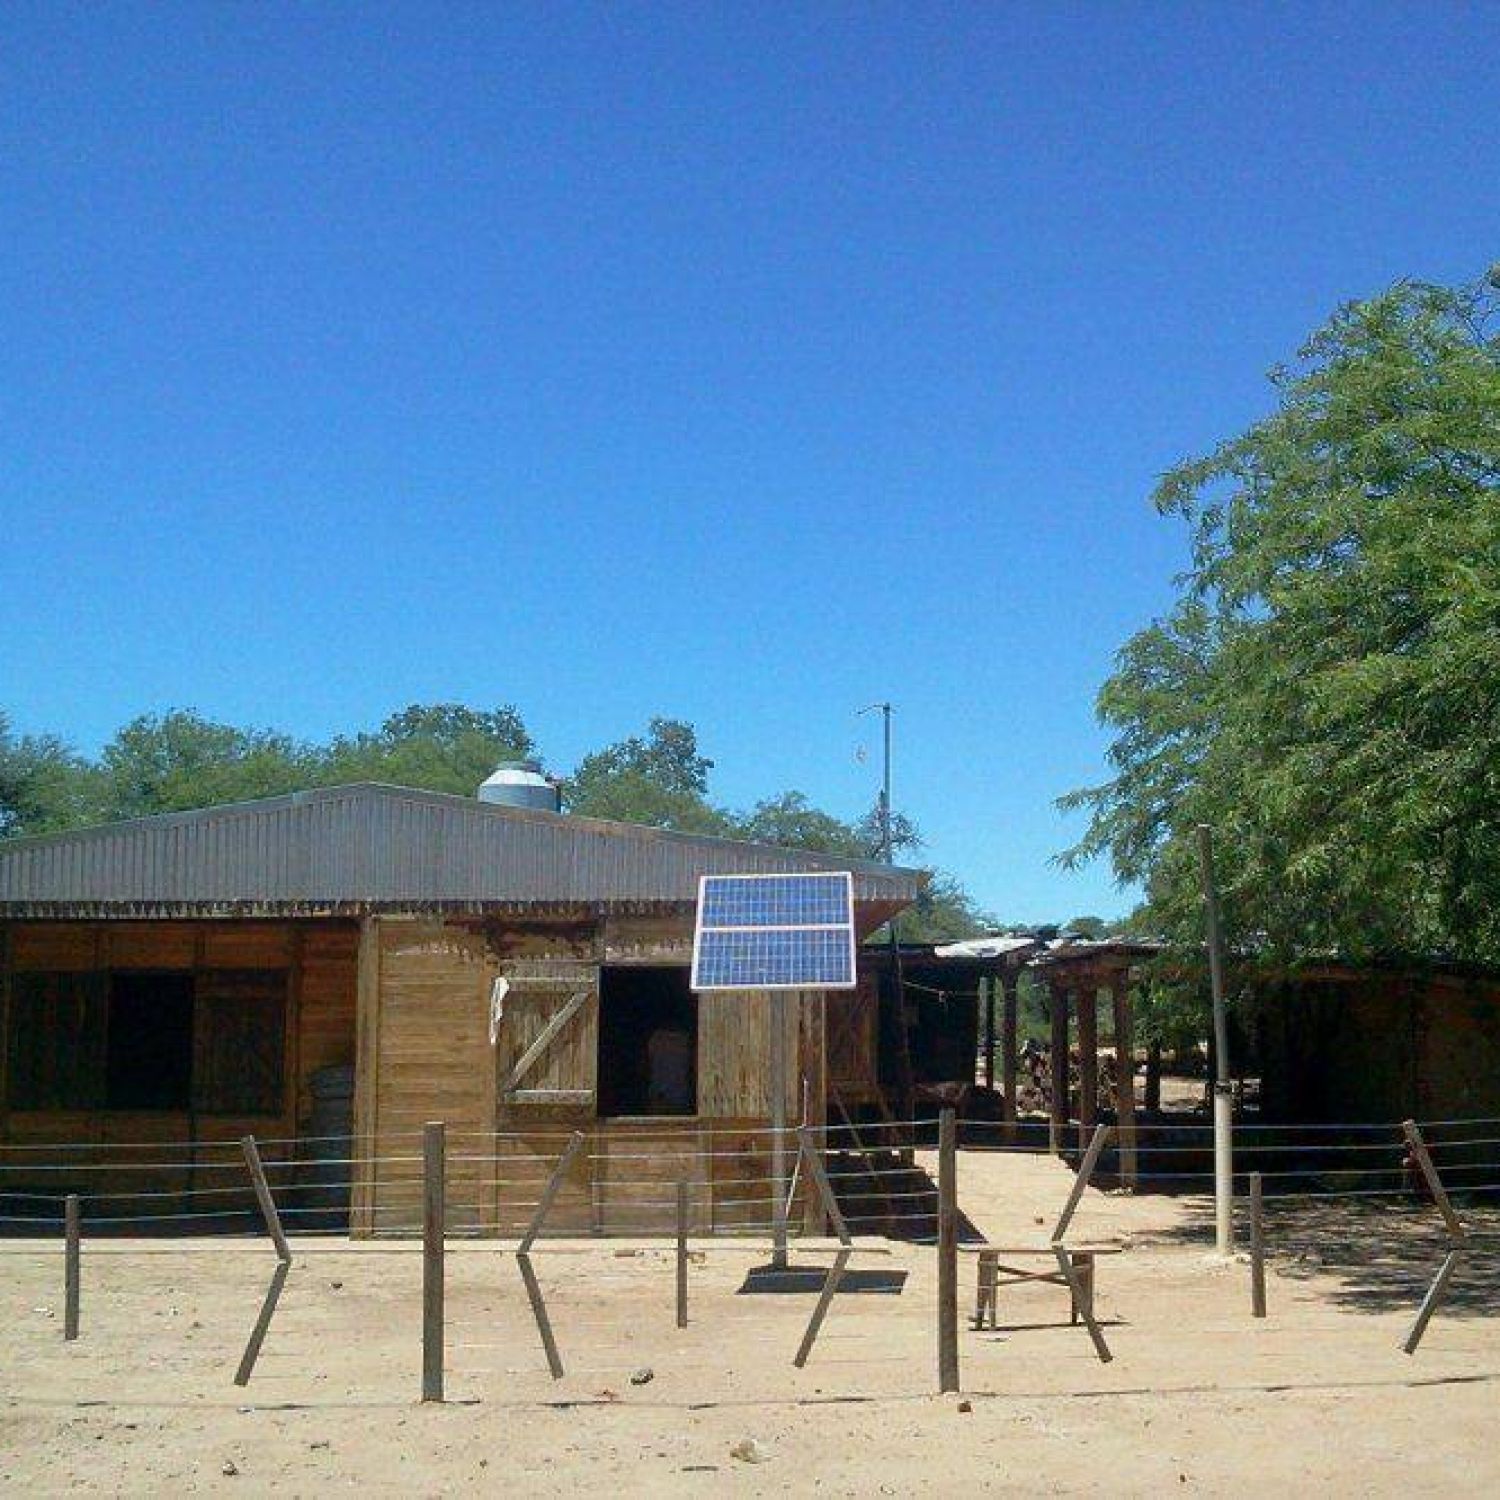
(1326, 691)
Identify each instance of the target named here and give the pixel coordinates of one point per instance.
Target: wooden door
(546, 1077)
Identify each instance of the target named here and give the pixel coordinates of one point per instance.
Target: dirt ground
(1200, 1397)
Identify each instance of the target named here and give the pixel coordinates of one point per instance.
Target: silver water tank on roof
(520, 783)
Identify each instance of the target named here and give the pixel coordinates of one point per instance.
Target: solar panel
(770, 932)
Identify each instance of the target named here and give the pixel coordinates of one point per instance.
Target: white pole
(1223, 1089)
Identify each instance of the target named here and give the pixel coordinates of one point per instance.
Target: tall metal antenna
(887, 851)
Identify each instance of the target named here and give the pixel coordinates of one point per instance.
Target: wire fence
(844, 1189)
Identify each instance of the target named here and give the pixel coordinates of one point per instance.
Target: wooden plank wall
(425, 1028)
(425, 1054)
(320, 958)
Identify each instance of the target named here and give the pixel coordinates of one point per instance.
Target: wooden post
(987, 1008)
(264, 1198)
(1057, 1124)
(1458, 1237)
(434, 1144)
(682, 1253)
(1008, 1027)
(1152, 1100)
(778, 1130)
(1257, 1248)
(71, 1232)
(1125, 1081)
(947, 1248)
(1088, 1063)
(523, 1252)
(1081, 1180)
(818, 1177)
(283, 1261)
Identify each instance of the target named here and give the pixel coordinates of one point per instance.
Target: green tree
(793, 822)
(179, 760)
(667, 757)
(1326, 691)
(632, 796)
(661, 780)
(44, 784)
(943, 913)
(438, 747)
(1092, 928)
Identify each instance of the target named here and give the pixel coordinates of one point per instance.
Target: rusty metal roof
(368, 847)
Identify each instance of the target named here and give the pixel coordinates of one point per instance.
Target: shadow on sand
(1382, 1253)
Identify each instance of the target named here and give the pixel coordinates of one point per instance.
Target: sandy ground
(1317, 1398)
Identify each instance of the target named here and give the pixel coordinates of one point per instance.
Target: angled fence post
(1458, 1238)
(818, 1176)
(283, 1260)
(523, 1253)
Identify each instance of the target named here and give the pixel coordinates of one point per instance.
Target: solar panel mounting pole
(1223, 1088)
(778, 1130)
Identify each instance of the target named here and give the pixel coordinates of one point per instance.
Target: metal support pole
(433, 1148)
(72, 1233)
(778, 1131)
(1223, 1088)
(947, 1248)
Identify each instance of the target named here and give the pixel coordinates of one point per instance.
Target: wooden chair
(1073, 1266)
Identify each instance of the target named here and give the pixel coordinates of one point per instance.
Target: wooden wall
(1380, 1047)
(319, 958)
(425, 1054)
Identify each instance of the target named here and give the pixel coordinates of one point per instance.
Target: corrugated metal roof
(381, 847)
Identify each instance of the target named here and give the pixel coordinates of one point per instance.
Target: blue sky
(745, 364)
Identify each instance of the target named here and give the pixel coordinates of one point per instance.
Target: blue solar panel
(775, 901)
(774, 932)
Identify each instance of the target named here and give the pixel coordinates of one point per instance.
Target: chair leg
(984, 1289)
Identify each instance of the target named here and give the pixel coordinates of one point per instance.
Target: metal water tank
(520, 783)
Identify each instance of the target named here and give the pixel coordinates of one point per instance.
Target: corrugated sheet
(370, 846)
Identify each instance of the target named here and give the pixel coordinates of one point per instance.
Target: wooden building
(186, 979)
(1339, 1043)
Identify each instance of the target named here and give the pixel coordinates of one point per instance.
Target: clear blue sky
(739, 363)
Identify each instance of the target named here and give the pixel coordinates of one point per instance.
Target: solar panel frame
(803, 922)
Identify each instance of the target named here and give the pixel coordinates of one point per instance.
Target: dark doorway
(648, 1042)
(149, 1057)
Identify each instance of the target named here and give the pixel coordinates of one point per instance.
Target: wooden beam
(366, 1071)
(1088, 1063)
(947, 1252)
(1008, 1050)
(1057, 1006)
(987, 1006)
(1125, 1082)
(530, 1057)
